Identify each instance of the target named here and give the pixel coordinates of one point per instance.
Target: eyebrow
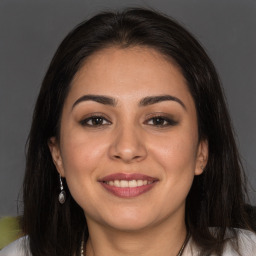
(156, 99)
(106, 100)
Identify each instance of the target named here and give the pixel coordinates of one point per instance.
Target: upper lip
(127, 176)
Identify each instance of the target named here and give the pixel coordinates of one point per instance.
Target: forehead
(129, 73)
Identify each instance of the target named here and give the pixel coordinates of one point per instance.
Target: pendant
(62, 197)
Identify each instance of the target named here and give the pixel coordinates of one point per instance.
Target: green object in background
(9, 230)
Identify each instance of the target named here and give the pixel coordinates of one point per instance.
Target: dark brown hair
(216, 198)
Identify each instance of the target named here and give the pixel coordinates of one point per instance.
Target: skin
(130, 140)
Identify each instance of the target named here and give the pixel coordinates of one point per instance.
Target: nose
(128, 146)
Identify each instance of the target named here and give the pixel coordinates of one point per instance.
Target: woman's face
(129, 145)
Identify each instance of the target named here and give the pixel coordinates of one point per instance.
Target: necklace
(183, 246)
(83, 252)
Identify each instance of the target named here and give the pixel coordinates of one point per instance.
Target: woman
(131, 150)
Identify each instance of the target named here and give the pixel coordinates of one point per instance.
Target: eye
(160, 121)
(95, 121)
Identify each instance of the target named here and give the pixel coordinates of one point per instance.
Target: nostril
(127, 150)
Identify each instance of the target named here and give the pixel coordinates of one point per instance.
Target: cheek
(177, 158)
(176, 153)
(82, 156)
(81, 162)
(177, 161)
(79, 150)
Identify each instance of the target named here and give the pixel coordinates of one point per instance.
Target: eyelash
(164, 121)
(85, 122)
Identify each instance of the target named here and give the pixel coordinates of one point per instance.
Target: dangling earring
(62, 194)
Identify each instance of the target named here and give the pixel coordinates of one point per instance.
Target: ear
(202, 157)
(56, 155)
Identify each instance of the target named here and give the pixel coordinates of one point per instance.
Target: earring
(62, 194)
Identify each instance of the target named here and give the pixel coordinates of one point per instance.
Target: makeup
(128, 185)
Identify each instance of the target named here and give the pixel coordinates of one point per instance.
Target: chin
(128, 225)
(129, 220)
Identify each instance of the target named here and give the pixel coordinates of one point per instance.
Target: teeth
(128, 184)
(140, 183)
(133, 183)
(124, 183)
(116, 183)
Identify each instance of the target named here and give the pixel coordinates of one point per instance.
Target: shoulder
(245, 243)
(16, 248)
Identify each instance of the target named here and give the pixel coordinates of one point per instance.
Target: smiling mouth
(128, 185)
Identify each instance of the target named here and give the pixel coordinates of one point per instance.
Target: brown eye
(161, 121)
(95, 121)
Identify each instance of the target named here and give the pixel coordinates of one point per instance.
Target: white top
(16, 248)
(246, 242)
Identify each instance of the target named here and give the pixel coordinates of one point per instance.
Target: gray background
(30, 32)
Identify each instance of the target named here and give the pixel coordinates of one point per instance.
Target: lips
(128, 185)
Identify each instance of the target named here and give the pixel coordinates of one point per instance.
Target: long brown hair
(217, 197)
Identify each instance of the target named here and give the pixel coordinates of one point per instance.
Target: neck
(161, 239)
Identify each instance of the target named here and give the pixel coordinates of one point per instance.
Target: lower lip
(128, 192)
